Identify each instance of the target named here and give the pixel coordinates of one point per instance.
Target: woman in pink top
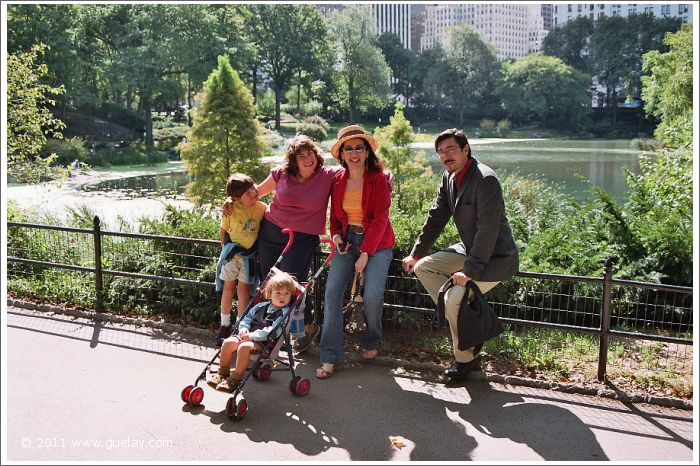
(302, 186)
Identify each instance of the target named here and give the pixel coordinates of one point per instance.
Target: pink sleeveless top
(301, 206)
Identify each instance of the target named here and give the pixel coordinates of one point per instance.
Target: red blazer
(376, 201)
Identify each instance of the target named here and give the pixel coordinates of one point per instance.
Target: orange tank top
(352, 205)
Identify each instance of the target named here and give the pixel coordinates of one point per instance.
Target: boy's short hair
(237, 184)
(281, 280)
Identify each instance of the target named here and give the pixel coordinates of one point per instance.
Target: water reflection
(169, 185)
(561, 163)
(557, 162)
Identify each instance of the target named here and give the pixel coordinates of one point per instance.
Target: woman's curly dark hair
(296, 144)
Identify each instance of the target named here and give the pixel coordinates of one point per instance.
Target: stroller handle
(290, 232)
(332, 245)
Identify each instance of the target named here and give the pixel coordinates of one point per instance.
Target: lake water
(559, 162)
(146, 192)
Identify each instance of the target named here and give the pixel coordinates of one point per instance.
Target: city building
(565, 12)
(396, 18)
(513, 29)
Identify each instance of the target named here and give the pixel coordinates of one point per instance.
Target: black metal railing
(151, 273)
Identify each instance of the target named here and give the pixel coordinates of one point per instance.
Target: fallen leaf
(397, 442)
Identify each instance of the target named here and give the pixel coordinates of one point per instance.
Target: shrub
(504, 125)
(314, 131)
(318, 120)
(487, 127)
(66, 150)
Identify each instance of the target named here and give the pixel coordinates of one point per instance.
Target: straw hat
(350, 132)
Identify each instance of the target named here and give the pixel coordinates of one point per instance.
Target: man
(471, 194)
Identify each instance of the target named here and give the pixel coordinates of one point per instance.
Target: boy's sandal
(369, 353)
(327, 369)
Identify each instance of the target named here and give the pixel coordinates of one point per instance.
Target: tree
(474, 62)
(225, 136)
(668, 88)
(29, 119)
(289, 39)
(571, 43)
(364, 74)
(432, 77)
(56, 27)
(394, 149)
(543, 88)
(399, 60)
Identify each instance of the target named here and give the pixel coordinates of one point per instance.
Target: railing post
(605, 320)
(98, 263)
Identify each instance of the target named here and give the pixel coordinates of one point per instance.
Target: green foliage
(290, 39)
(131, 155)
(474, 65)
(66, 150)
(314, 131)
(394, 140)
(668, 89)
(29, 119)
(571, 43)
(265, 104)
(185, 223)
(661, 212)
(539, 88)
(363, 73)
(225, 137)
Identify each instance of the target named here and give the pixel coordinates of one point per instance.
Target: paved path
(76, 390)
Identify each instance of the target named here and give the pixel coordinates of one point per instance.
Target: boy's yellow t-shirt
(243, 225)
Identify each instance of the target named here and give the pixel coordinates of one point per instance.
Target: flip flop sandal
(369, 353)
(327, 369)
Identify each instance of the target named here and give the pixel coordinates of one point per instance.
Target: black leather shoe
(462, 369)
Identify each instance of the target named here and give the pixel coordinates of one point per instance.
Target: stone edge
(620, 395)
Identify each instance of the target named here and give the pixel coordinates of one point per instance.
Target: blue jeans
(340, 275)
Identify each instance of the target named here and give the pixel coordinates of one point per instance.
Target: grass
(636, 366)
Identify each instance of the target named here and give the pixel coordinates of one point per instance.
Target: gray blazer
(479, 215)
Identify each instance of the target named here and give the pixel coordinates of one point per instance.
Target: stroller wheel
(185, 394)
(293, 384)
(236, 410)
(303, 386)
(256, 374)
(196, 396)
(265, 372)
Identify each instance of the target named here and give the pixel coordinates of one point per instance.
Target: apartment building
(396, 18)
(513, 29)
(564, 12)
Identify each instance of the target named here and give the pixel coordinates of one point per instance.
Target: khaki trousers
(433, 271)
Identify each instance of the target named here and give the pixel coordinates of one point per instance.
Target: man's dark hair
(238, 184)
(459, 136)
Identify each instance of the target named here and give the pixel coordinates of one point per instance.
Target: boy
(236, 267)
(254, 329)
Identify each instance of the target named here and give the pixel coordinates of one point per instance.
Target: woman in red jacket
(363, 236)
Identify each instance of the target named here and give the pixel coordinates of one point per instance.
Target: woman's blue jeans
(340, 275)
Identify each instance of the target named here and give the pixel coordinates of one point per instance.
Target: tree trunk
(299, 94)
(146, 101)
(129, 96)
(351, 103)
(254, 70)
(278, 99)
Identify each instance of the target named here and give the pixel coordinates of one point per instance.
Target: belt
(357, 229)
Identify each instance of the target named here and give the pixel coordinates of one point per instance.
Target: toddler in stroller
(260, 323)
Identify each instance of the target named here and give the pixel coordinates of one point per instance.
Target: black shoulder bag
(477, 322)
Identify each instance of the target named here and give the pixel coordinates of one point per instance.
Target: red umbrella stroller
(264, 363)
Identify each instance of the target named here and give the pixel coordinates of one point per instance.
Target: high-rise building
(394, 17)
(565, 12)
(513, 29)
